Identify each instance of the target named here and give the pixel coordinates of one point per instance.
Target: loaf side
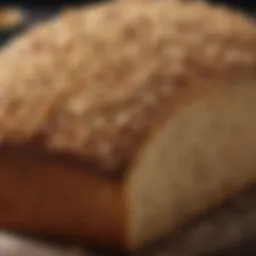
(50, 196)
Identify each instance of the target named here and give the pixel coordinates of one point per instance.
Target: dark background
(247, 5)
(38, 9)
(42, 9)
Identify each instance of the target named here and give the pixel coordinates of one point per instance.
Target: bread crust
(98, 81)
(41, 195)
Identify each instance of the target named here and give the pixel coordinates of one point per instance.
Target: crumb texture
(95, 82)
(225, 229)
(201, 158)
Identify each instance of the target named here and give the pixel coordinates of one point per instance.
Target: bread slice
(212, 158)
(120, 122)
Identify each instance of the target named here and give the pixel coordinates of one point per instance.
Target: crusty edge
(41, 195)
(150, 58)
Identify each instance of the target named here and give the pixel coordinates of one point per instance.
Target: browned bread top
(95, 82)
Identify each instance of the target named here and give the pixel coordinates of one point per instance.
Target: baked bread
(122, 122)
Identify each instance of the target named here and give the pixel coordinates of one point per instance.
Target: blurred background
(244, 4)
(40, 9)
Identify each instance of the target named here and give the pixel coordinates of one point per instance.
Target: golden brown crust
(95, 82)
(42, 196)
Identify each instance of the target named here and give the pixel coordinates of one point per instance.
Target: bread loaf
(121, 122)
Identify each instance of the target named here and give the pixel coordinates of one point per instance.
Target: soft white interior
(200, 158)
